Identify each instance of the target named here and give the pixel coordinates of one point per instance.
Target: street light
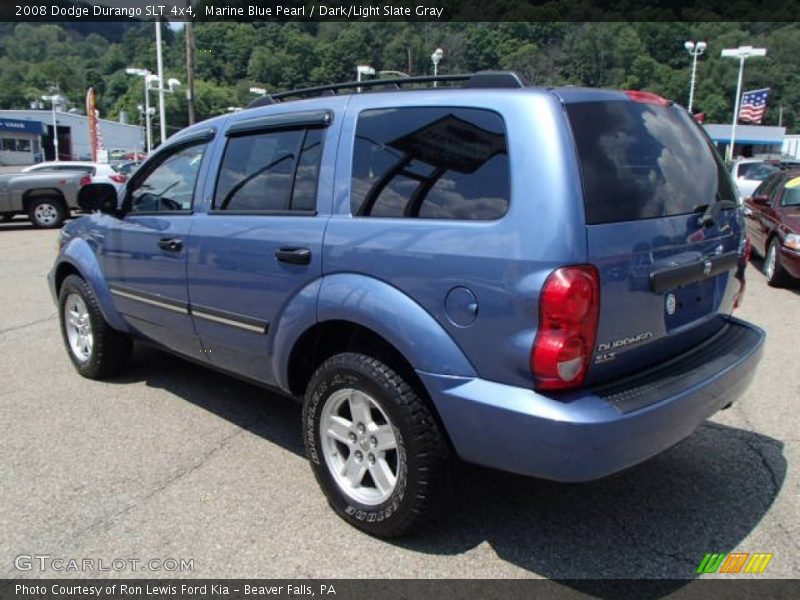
(55, 99)
(363, 70)
(147, 76)
(259, 91)
(160, 66)
(742, 53)
(435, 58)
(695, 49)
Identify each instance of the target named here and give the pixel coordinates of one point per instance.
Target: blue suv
(536, 280)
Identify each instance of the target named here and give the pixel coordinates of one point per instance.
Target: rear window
(643, 161)
(757, 171)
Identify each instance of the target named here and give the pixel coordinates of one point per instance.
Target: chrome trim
(231, 322)
(131, 296)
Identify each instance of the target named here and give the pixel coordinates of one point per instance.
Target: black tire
(47, 212)
(422, 457)
(778, 277)
(110, 351)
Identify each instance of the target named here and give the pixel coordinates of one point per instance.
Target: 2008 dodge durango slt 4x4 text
(536, 280)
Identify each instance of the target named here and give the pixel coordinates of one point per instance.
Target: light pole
(54, 99)
(695, 49)
(435, 58)
(146, 75)
(742, 53)
(160, 66)
(363, 70)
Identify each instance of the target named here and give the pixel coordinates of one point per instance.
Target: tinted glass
(791, 193)
(641, 161)
(304, 194)
(170, 185)
(257, 170)
(768, 186)
(431, 163)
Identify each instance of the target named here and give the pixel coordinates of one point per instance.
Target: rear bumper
(590, 434)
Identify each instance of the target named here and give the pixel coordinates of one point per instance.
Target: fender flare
(79, 255)
(380, 307)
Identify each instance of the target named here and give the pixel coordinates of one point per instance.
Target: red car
(772, 218)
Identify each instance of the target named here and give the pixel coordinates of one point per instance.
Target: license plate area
(693, 301)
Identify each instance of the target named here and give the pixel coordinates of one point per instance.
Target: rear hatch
(662, 229)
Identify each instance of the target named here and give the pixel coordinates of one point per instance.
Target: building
(20, 141)
(751, 140)
(791, 146)
(28, 134)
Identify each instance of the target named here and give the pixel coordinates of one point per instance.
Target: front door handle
(171, 244)
(294, 256)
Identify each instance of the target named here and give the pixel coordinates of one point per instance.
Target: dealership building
(26, 136)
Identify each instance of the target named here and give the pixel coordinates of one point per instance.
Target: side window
(169, 187)
(270, 171)
(765, 188)
(430, 163)
(791, 193)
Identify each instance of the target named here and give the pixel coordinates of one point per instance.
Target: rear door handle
(171, 244)
(294, 256)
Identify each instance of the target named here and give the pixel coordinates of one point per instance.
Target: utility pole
(190, 66)
(780, 115)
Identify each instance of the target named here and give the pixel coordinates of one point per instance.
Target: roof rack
(481, 79)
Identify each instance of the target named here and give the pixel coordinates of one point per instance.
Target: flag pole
(736, 109)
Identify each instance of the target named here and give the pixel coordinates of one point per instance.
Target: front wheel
(95, 349)
(773, 270)
(47, 213)
(374, 446)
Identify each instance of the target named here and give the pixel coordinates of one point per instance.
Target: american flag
(753, 105)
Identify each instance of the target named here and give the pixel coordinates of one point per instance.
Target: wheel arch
(30, 195)
(79, 259)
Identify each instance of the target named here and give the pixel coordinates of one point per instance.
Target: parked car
(99, 172)
(748, 173)
(47, 197)
(772, 217)
(127, 168)
(535, 280)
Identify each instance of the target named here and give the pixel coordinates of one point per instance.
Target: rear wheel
(773, 270)
(95, 349)
(375, 449)
(47, 212)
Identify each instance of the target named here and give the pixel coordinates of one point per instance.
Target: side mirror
(760, 199)
(98, 197)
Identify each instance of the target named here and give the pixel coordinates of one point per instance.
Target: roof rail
(481, 79)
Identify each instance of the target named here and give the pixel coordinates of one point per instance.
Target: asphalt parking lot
(174, 461)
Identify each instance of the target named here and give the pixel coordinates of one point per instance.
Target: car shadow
(653, 521)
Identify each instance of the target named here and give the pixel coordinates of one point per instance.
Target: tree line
(232, 57)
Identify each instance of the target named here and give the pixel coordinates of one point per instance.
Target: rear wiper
(711, 211)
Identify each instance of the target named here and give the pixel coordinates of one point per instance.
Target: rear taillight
(744, 258)
(569, 308)
(85, 180)
(118, 178)
(647, 98)
(746, 250)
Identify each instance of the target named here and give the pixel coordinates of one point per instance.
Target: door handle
(294, 256)
(171, 244)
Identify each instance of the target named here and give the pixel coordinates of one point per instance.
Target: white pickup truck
(46, 197)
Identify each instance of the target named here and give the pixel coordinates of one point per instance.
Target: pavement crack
(50, 317)
(113, 517)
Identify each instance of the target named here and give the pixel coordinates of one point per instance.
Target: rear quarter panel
(503, 262)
